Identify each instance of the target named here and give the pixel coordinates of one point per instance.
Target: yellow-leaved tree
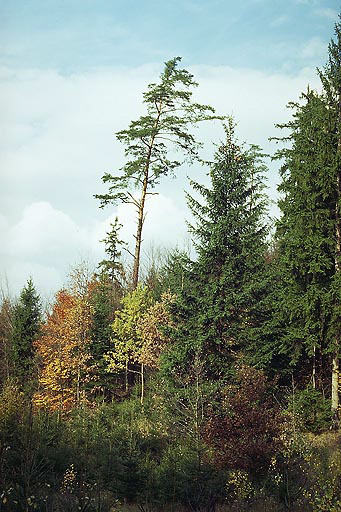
(127, 339)
(151, 327)
(63, 350)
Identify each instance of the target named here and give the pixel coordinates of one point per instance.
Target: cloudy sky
(72, 73)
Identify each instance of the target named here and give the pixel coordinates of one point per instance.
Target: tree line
(210, 383)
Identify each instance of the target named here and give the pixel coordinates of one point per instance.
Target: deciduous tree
(64, 354)
(6, 352)
(151, 327)
(246, 432)
(127, 339)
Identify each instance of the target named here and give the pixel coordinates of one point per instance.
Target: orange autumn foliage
(64, 355)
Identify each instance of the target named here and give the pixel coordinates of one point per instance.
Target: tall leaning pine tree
(149, 140)
(309, 231)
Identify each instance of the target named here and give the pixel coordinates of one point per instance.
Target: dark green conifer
(26, 325)
(112, 266)
(309, 231)
(222, 310)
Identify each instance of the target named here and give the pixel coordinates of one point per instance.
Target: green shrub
(313, 410)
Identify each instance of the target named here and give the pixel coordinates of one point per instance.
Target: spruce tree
(105, 294)
(26, 325)
(309, 231)
(105, 299)
(331, 81)
(222, 310)
(112, 265)
(174, 270)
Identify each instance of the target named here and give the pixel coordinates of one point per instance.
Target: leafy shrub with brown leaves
(245, 432)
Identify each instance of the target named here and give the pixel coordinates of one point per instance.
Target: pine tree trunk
(138, 236)
(140, 218)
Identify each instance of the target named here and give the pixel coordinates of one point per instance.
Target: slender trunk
(293, 404)
(140, 215)
(314, 368)
(335, 388)
(142, 383)
(78, 387)
(126, 377)
(61, 383)
(336, 355)
(138, 236)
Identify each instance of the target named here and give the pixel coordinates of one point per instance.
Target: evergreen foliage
(105, 298)
(113, 267)
(26, 326)
(305, 231)
(309, 230)
(174, 272)
(222, 310)
(166, 125)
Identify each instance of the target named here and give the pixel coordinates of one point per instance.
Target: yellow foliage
(63, 351)
(151, 324)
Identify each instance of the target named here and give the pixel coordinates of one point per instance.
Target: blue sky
(72, 73)
(74, 35)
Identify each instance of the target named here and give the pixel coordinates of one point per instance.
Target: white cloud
(42, 229)
(46, 242)
(59, 140)
(39, 245)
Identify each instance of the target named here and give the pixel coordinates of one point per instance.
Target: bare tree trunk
(126, 376)
(140, 216)
(314, 368)
(138, 236)
(78, 387)
(336, 354)
(142, 383)
(335, 389)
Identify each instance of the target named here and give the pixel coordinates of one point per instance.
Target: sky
(72, 74)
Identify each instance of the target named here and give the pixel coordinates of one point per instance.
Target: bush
(245, 433)
(312, 409)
